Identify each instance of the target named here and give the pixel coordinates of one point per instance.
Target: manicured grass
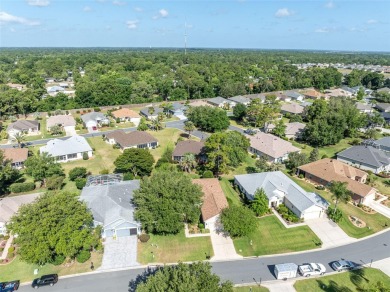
(234, 123)
(358, 280)
(375, 222)
(19, 270)
(242, 169)
(252, 288)
(271, 237)
(231, 195)
(174, 248)
(381, 186)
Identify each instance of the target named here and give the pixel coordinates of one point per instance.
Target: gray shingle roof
(293, 94)
(367, 155)
(217, 100)
(239, 99)
(157, 110)
(23, 125)
(277, 181)
(93, 116)
(58, 147)
(383, 107)
(385, 141)
(109, 203)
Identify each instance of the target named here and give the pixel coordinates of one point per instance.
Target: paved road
(239, 271)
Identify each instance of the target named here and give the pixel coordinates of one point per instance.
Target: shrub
(10, 255)
(85, 156)
(6, 237)
(22, 187)
(54, 182)
(208, 174)
(80, 182)
(301, 175)
(161, 161)
(77, 112)
(335, 216)
(1, 249)
(77, 172)
(104, 171)
(128, 176)
(324, 156)
(11, 249)
(58, 260)
(117, 120)
(201, 226)
(96, 109)
(321, 188)
(254, 156)
(144, 237)
(287, 214)
(83, 256)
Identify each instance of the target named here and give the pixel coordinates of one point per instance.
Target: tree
(296, 159)
(259, 205)
(8, 174)
(280, 129)
(262, 164)
(183, 277)
(189, 127)
(188, 162)
(55, 224)
(340, 192)
(238, 221)
(360, 94)
(43, 166)
(239, 111)
(142, 126)
(136, 160)
(168, 108)
(19, 138)
(77, 172)
(371, 133)
(156, 124)
(314, 155)
(208, 118)
(166, 200)
(55, 182)
(56, 130)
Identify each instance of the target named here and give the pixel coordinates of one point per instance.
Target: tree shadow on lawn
(332, 287)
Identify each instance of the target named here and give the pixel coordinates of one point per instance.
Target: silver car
(343, 265)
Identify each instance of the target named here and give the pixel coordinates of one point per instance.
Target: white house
(28, 127)
(94, 119)
(68, 149)
(280, 189)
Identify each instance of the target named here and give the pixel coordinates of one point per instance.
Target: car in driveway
(9, 286)
(46, 280)
(343, 265)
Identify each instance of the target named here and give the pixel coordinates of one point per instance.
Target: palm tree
(188, 162)
(189, 127)
(19, 137)
(340, 192)
(156, 124)
(160, 117)
(168, 108)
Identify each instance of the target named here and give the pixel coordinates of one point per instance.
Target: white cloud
(119, 3)
(283, 12)
(138, 9)
(329, 4)
(322, 30)
(162, 13)
(132, 24)
(8, 18)
(39, 3)
(87, 9)
(372, 21)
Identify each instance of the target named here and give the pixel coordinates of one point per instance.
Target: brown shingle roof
(189, 146)
(293, 108)
(125, 113)
(131, 139)
(214, 200)
(16, 154)
(334, 170)
(64, 120)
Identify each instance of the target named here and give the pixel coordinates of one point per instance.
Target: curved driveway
(240, 271)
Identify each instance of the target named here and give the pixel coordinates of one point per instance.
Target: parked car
(45, 280)
(250, 131)
(285, 271)
(311, 269)
(9, 286)
(343, 265)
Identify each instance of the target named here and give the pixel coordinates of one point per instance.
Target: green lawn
(381, 186)
(252, 288)
(375, 222)
(358, 280)
(174, 248)
(231, 195)
(271, 237)
(242, 169)
(19, 270)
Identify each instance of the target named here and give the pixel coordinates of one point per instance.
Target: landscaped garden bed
(357, 222)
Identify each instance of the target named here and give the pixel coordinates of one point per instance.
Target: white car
(311, 269)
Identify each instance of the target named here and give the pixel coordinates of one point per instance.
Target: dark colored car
(343, 266)
(45, 281)
(9, 286)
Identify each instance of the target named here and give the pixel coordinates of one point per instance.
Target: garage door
(126, 232)
(313, 215)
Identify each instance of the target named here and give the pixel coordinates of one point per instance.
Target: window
(61, 157)
(72, 156)
(142, 146)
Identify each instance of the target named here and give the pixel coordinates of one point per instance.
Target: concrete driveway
(329, 232)
(223, 246)
(119, 253)
(382, 209)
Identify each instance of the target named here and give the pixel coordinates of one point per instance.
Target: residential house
(386, 116)
(178, 109)
(383, 107)
(196, 103)
(337, 92)
(95, 119)
(282, 97)
(50, 79)
(306, 103)
(54, 90)
(214, 201)
(294, 130)
(292, 108)
(136, 139)
(364, 108)
(68, 149)
(280, 189)
(9, 206)
(28, 127)
(112, 209)
(384, 90)
(239, 99)
(366, 157)
(383, 144)
(295, 95)
(151, 113)
(273, 148)
(17, 156)
(19, 87)
(312, 94)
(188, 146)
(220, 102)
(260, 96)
(365, 90)
(326, 170)
(349, 89)
(127, 115)
(67, 122)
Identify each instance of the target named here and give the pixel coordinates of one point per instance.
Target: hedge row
(22, 187)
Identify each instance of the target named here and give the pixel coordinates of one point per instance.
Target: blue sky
(312, 24)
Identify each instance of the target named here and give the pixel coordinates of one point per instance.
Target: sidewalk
(7, 246)
(383, 265)
(380, 208)
(280, 286)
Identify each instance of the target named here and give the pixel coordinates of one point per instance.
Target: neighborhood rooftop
(366, 155)
(132, 138)
(23, 125)
(188, 146)
(71, 145)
